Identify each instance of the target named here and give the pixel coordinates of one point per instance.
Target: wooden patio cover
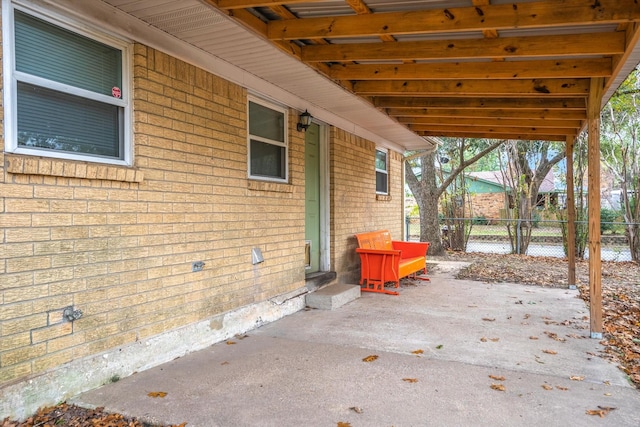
(520, 69)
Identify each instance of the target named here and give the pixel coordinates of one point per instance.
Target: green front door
(312, 197)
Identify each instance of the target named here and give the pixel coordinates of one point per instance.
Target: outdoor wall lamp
(304, 121)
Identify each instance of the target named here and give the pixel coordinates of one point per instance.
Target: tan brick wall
(488, 205)
(118, 242)
(354, 205)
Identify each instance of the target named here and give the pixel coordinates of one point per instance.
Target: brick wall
(488, 205)
(118, 242)
(355, 207)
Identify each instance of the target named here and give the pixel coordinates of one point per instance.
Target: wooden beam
(479, 113)
(478, 102)
(595, 263)
(515, 136)
(493, 88)
(495, 121)
(564, 68)
(549, 13)
(490, 130)
(571, 214)
(509, 47)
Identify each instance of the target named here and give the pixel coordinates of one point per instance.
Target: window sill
(269, 186)
(31, 165)
(383, 197)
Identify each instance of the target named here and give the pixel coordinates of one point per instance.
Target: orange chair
(383, 260)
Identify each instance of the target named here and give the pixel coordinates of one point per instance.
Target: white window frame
(11, 78)
(384, 171)
(284, 144)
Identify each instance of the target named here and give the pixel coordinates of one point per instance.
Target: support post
(571, 214)
(595, 263)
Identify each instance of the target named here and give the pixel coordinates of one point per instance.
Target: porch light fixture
(304, 121)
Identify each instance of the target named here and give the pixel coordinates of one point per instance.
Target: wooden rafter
(537, 69)
(497, 88)
(494, 17)
(511, 47)
(489, 113)
(479, 102)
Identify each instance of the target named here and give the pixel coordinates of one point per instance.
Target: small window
(267, 142)
(382, 172)
(66, 92)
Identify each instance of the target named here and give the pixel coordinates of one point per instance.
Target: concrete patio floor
(437, 344)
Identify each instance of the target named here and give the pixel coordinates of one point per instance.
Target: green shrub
(607, 216)
(479, 220)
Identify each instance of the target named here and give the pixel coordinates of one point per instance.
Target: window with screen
(67, 93)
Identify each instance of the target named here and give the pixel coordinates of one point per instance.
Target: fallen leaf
(498, 387)
(356, 409)
(562, 388)
(494, 339)
(550, 351)
(225, 363)
(555, 336)
(547, 387)
(370, 358)
(576, 378)
(230, 342)
(342, 424)
(488, 319)
(417, 352)
(526, 316)
(607, 394)
(602, 411)
(439, 346)
(497, 378)
(483, 339)
(157, 394)
(410, 380)
(533, 337)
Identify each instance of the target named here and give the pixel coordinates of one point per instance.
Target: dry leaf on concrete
(602, 411)
(157, 394)
(370, 358)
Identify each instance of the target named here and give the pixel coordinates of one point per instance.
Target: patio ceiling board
(537, 14)
(435, 66)
(381, 64)
(480, 113)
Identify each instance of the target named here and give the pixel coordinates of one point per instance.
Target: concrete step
(333, 296)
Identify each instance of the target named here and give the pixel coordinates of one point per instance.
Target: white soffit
(199, 34)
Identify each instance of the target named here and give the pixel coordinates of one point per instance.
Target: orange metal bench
(383, 260)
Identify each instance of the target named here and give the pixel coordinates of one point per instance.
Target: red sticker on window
(115, 91)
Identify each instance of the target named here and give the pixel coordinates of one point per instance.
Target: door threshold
(316, 280)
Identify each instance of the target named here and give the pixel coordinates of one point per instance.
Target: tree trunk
(427, 195)
(429, 225)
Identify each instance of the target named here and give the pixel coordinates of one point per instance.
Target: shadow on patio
(438, 345)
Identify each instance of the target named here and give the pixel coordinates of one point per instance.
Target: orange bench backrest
(380, 239)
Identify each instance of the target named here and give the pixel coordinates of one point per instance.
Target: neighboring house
(153, 196)
(490, 198)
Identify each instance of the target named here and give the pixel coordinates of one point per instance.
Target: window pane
(265, 122)
(267, 160)
(58, 121)
(381, 160)
(382, 183)
(53, 53)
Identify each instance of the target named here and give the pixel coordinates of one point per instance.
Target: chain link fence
(492, 236)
